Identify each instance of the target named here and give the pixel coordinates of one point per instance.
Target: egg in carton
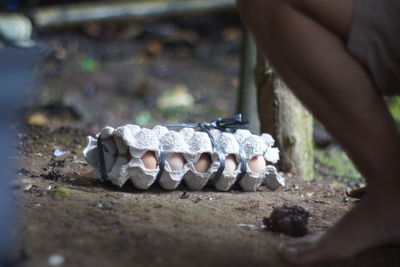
(174, 148)
(142, 169)
(252, 149)
(134, 153)
(202, 161)
(272, 179)
(129, 153)
(232, 168)
(258, 152)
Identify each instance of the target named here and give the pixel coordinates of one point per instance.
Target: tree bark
(282, 115)
(80, 13)
(247, 95)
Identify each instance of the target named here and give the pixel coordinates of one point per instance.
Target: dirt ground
(65, 211)
(109, 75)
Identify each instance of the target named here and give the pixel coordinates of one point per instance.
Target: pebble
(346, 199)
(104, 206)
(56, 260)
(16, 28)
(198, 199)
(184, 195)
(28, 187)
(59, 153)
(251, 226)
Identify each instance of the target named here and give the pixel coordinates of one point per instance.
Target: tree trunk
(282, 115)
(247, 95)
(118, 10)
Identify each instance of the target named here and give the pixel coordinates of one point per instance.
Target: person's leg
(305, 42)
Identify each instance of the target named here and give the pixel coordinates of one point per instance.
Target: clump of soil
(291, 221)
(53, 174)
(53, 170)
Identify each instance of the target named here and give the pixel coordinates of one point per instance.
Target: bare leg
(305, 41)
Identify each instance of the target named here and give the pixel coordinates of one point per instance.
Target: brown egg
(204, 163)
(230, 164)
(149, 160)
(257, 164)
(176, 162)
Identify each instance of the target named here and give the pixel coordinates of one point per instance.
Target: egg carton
(121, 154)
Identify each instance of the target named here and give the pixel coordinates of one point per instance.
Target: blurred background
(141, 62)
(181, 68)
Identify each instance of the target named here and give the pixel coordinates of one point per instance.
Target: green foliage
(174, 101)
(217, 111)
(394, 107)
(144, 118)
(89, 64)
(60, 193)
(63, 139)
(171, 113)
(337, 162)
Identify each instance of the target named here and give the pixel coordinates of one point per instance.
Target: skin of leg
(305, 41)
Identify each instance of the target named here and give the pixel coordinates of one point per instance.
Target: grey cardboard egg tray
(123, 148)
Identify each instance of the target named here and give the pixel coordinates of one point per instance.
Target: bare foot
(374, 222)
(357, 193)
